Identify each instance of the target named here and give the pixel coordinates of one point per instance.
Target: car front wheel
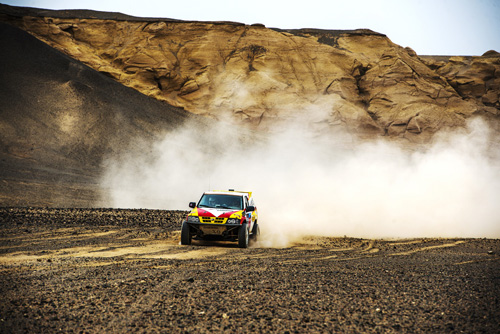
(243, 236)
(185, 235)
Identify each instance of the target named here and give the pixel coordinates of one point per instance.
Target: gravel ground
(104, 270)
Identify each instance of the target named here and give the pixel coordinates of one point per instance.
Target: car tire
(185, 234)
(243, 236)
(255, 232)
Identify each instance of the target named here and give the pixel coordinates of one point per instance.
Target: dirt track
(81, 270)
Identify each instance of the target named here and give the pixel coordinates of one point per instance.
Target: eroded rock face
(60, 121)
(473, 78)
(263, 77)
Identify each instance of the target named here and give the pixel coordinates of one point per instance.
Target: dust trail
(331, 186)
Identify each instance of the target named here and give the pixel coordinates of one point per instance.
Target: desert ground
(110, 270)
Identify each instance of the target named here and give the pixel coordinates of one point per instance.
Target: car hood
(216, 212)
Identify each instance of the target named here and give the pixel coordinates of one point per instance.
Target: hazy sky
(437, 27)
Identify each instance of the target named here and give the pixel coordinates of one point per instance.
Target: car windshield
(221, 201)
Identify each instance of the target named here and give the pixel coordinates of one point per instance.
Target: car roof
(229, 192)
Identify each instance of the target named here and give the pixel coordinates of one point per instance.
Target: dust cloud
(333, 185)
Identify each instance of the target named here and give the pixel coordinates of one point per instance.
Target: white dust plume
(308, 185)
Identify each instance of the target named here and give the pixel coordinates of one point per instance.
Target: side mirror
(250, 208)
(192, 205)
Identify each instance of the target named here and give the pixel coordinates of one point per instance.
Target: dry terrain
(80, 90)
(104, 270)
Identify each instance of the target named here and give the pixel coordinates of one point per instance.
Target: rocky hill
(101, 80)
(59, 118)
(262, 76)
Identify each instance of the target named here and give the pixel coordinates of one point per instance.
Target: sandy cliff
(91, 84)
(59, 119)
(329, 79)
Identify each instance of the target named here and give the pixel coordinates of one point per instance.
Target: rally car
(222, 215)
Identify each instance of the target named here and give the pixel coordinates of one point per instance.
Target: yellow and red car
(222, 215)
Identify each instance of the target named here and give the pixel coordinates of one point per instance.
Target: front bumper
(223, 231)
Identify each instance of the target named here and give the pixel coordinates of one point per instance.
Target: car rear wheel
(185, 235)
(255, 232)
(243, 236)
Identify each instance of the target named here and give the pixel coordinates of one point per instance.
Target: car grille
(213, 220)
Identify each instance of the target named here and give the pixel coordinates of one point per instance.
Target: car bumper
(220, 230)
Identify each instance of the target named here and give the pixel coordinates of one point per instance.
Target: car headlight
(193, 219)
(233, 221)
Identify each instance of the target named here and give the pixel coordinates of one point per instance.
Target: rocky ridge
(59, 120)
(79, 87)
(263, 77)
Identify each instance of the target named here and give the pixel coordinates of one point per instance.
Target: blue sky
(430, 27)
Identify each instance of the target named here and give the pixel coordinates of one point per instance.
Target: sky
(430, 27)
